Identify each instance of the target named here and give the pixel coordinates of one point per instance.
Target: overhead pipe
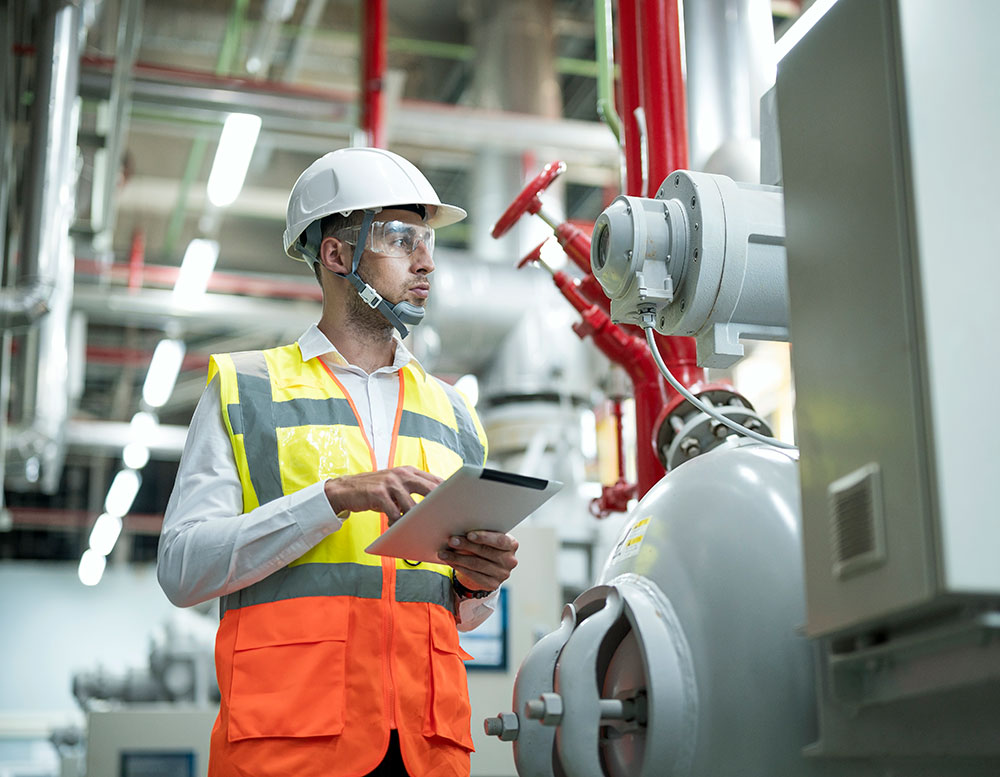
(224, 63)
(40, 299)
(117, 119)
(265, 42)
(310, 22)
(48, 183)
(373, 74)
(303, 111)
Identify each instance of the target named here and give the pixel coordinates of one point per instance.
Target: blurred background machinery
(831, 609)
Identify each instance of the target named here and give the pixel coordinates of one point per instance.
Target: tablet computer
(472, 498)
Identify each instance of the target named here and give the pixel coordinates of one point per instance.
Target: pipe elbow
(22, 306)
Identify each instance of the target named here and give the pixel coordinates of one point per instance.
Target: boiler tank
(686, 659)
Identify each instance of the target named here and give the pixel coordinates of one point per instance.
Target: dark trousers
(392, 764)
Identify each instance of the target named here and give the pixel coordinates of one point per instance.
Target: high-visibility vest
(318, 661)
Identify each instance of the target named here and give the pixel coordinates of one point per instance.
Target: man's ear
(336, 255)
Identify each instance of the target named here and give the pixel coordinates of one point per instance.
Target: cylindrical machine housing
(706, 258)
(686, 660)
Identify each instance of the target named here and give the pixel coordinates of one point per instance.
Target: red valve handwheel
(533, 256)
(527, 200)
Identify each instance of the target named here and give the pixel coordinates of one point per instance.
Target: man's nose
(422, 259)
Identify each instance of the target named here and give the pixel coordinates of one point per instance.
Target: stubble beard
(367, 322)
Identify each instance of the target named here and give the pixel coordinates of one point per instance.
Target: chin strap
(400, 314)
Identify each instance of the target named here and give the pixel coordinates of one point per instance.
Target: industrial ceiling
(473, 87)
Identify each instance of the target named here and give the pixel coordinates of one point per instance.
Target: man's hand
(482, 560)
(385, 491)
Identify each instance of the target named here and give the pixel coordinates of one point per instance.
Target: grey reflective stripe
(472, 447)
(260, 438)
(345, 579)
(415, 425)
(302, 412)
(235, 418)
(314, 412)
(423, 585)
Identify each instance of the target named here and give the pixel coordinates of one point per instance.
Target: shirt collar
(314, 343)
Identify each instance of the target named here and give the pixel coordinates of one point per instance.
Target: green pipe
(606, 68)
(223, 66)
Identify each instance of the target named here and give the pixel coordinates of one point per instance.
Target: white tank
(686, 659)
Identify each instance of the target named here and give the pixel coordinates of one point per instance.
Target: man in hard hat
(332, 661)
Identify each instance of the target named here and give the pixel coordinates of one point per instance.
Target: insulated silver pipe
(117, 119)
(729, 52)
(41, 297)
(50, 179)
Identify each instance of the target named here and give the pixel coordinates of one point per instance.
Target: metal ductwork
(42, 271)
(730, 64)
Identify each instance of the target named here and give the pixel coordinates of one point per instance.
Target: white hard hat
(352, 179)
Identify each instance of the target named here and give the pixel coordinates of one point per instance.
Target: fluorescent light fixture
(469, 385)
(801, 26)
(142, 425)
(229, 170)
(91, 568)
(105, 533)
(135, 455)
(196, 268)
(163, 371)
(122, 493)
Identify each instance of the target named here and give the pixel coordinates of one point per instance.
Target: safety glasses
(392, 238)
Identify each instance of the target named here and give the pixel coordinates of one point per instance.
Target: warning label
(628, 546)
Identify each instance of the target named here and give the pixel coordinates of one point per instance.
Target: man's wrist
(468, 593)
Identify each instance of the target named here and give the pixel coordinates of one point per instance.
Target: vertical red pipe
(373, 73)
(136, 260)
(677, 102)
(666, 127)
(629, 56)
(663, 90)
(652, 77)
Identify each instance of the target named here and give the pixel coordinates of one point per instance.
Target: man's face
(396, 278)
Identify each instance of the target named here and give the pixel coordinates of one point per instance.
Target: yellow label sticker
(631, 541)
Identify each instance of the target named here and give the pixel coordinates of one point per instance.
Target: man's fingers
(386, 491)
(492, 539)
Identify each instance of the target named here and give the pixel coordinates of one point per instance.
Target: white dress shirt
(209, 547)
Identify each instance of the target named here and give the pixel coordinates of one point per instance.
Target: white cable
(706, 409)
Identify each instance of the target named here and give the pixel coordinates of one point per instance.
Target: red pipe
(136, 259)
(229, 283)
(373, 73)
(137, 357)
(629, 56)
(633, 355)
(677, 97)
(182, 75)
(663, 91)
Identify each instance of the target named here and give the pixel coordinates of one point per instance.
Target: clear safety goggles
(392, 238)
